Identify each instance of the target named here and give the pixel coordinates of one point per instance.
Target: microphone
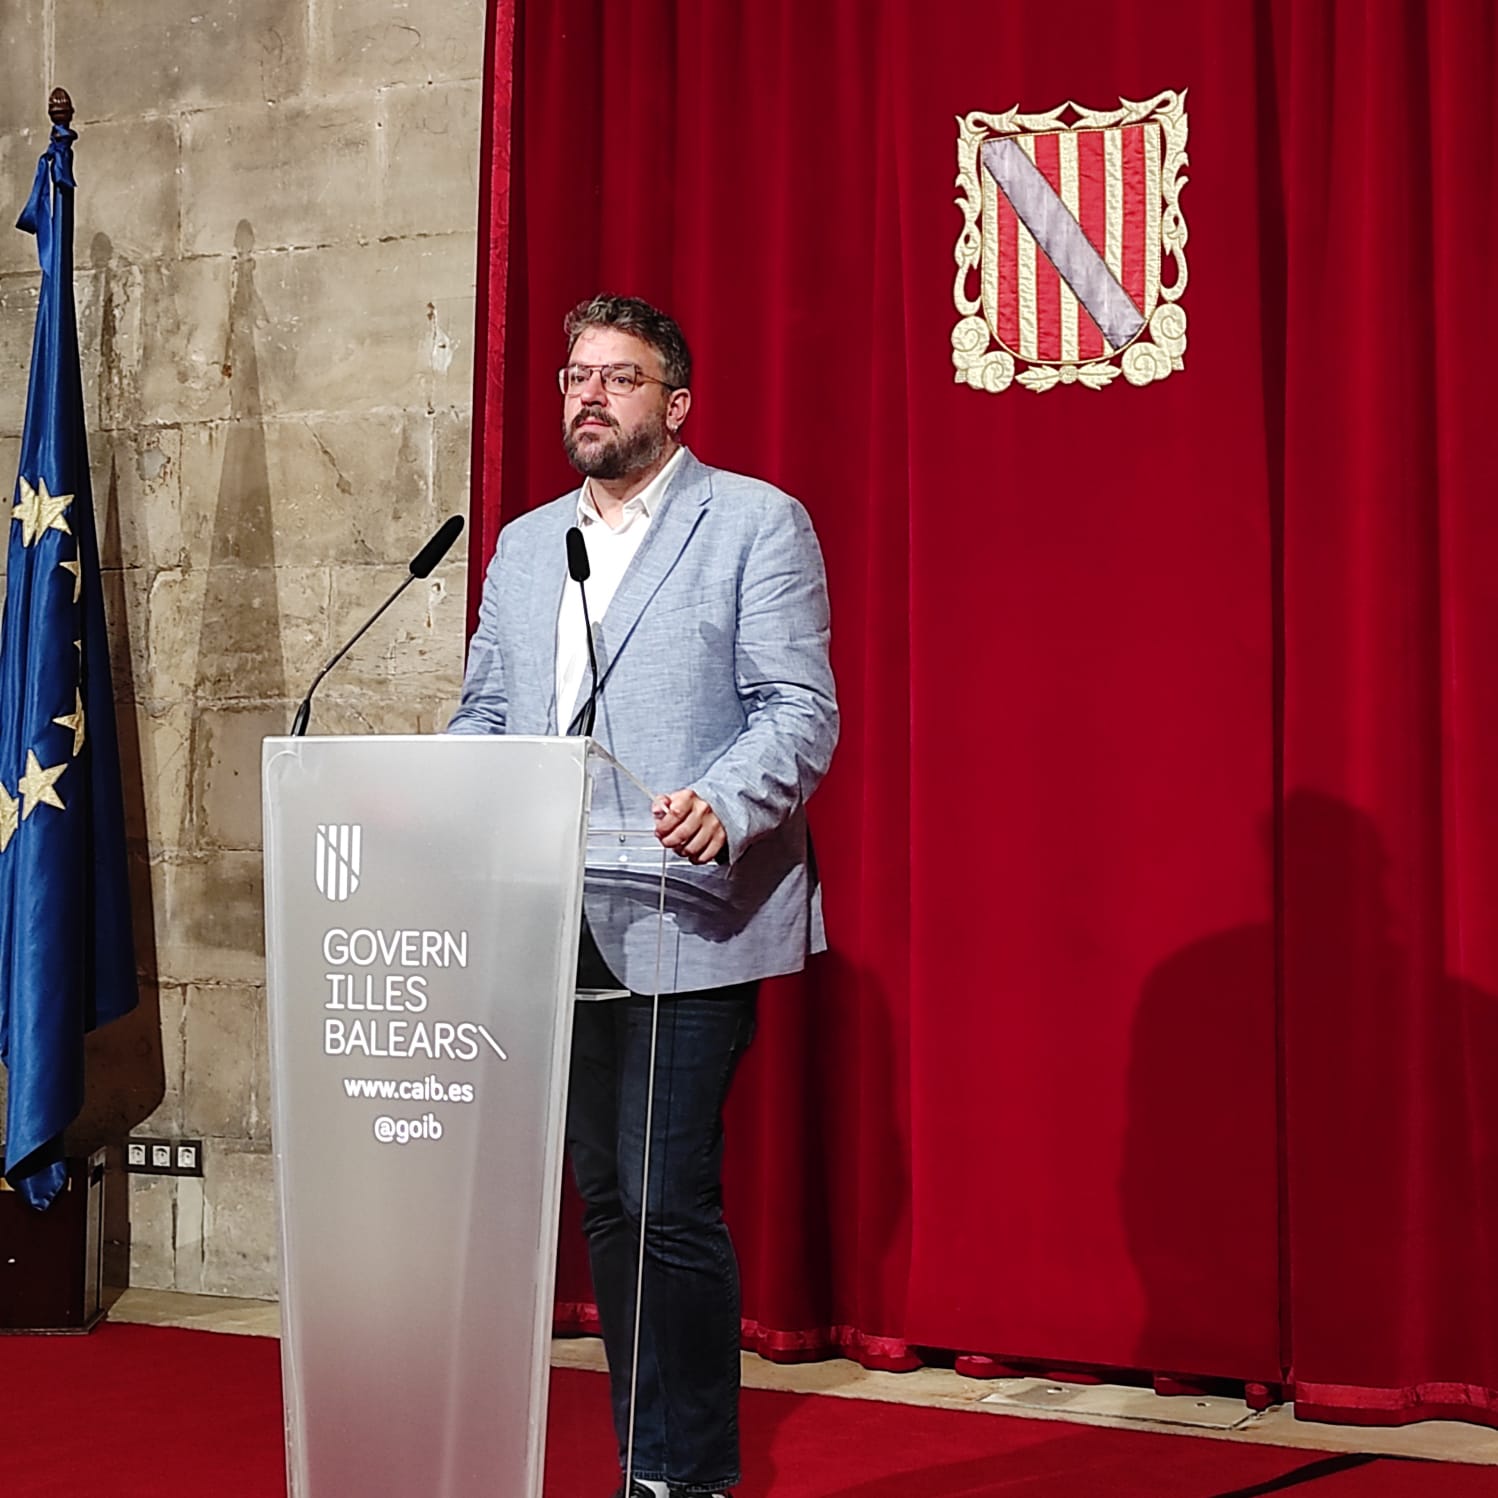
(579, 570)
(421, 566)
(437, 548)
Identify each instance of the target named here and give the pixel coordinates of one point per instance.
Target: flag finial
(60, 108)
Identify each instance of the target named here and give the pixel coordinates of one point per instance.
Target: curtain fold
(1391, 710)
(500, 142)
(1159, 859)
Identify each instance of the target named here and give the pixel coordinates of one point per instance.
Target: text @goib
(389, 1130)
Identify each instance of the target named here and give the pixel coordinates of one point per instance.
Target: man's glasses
(618, 379)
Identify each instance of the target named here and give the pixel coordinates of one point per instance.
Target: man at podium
(709, 674)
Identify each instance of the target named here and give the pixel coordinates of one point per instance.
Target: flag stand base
(51, 1263)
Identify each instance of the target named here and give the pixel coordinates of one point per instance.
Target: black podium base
(51, 1263)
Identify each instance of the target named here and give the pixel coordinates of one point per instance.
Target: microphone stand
(590, 708)
(421, 566)
(579, 569)
(304, 712)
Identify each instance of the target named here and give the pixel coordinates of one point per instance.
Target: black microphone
(437, 548)
(579, 569)
(421, 566)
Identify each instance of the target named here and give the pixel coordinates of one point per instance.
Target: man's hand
(686, 824)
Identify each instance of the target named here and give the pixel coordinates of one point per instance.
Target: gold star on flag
(74, 720)
(40, 512)
(36, 785)
(9, 818)
(77, 570)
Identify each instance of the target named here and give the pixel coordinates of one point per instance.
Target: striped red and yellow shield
(1070, 267)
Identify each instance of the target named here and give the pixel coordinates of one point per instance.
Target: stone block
(153, 1231)
(226, 773)
(165, 611)
(137, 482)
(452, 452)
(128, 187)
(10, 463)
(124, 60)
(108, 293)
(238, 646)
(366, 327)
(223, 633)
(354, 489)
(259, 633)
(309, 169)
(240, 1233)
(18, 299)
(360, 710)
(307, 639)
(417, 646)
(185, 366)
(23, 42)
(259, 1124)
(210, 918)
(226, 494)
(374, 43)
(225, 1045)
(338, 488)
(451, 347)
(153, 635)
(19, 151)
(430, 179)
(170, 1040)
(126, 620)
(141, 675)
(142, 913)
(155, 763)
(188, 1237)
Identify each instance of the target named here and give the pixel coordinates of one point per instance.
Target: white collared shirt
(610, 551)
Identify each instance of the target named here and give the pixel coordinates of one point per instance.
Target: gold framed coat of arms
(1071, 263)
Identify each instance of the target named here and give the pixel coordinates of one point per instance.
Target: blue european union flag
(67, 961)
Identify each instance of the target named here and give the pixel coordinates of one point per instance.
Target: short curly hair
(629, 314)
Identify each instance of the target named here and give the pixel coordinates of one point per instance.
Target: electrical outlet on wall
(164, 1157)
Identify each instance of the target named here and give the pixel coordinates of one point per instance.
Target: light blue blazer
(713, 674)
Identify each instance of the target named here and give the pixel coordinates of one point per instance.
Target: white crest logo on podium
(337, 860)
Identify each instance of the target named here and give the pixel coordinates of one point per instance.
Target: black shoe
(637, 1490)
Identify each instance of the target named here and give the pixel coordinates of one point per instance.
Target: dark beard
(620, 458)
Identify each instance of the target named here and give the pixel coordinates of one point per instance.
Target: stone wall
(275, 270)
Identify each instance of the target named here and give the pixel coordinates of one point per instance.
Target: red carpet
(146, 1412)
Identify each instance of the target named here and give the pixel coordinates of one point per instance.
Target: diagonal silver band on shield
(1040, 209)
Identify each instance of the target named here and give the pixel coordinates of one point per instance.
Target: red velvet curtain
(1391, 708)
(1158, 1023)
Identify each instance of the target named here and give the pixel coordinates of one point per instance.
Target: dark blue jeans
(687, 1409)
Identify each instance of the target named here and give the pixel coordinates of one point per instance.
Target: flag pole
(67, 961)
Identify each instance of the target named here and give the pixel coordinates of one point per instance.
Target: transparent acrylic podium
(423, 902)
